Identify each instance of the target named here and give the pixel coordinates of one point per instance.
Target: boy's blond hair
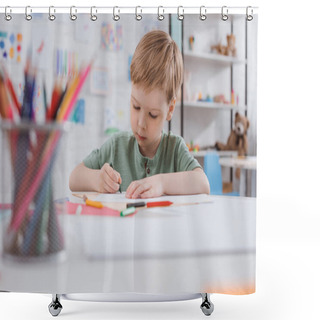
(157, 63)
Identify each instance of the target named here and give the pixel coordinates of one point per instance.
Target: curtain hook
(93, 16)
(52, 16)
(160, 16)
(73, 16)
(7, 16)
(203, 16)
(28, 16)
(180, 15)
(138, 16)
(249, 16)
(224, 13)
(116, 17)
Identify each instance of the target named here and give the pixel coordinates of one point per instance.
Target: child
(147, 162)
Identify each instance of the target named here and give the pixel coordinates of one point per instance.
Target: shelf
(202, 153)
(214, 57)
(211, 105)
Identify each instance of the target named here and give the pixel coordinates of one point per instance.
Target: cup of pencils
(33, 226)
(30, 151)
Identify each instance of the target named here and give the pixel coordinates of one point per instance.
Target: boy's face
(148, 113)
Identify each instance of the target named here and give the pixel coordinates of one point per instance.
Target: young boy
(147, 162)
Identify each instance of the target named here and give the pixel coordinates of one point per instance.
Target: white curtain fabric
(204, 247)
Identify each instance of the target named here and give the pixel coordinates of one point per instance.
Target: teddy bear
(237, 140)
(229, 49)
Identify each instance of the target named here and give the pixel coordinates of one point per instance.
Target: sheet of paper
(120, 197)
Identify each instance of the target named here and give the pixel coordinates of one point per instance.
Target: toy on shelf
(207, 99)
(237, 139)
(192, 147)
(232, 97)
(220, 98)
(228, 50)
(191, 43)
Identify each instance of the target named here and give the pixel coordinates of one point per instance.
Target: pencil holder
(32, 190)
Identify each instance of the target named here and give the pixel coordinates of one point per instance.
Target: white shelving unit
(214, 57)
(202, 153)
(213, 74)
(203, 121)
(212, 105)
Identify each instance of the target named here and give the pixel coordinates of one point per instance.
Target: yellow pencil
(67, 98)
(92, 203)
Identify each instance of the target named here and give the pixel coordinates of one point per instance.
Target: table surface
(155, 250)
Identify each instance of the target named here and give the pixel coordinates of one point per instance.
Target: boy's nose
(142, 121)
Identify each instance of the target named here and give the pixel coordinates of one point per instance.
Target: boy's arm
(186, 182)
(105, 179)
(177, 183)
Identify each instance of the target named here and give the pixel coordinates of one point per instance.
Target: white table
(244, 164)
(207, 247)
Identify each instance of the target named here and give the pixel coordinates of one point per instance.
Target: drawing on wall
(10, 46)
(41, 48)
(111, 37)
(110, 121)
(79, 112)
(67, 63)
(99, 82)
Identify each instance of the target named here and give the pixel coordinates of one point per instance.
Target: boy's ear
(171, 109)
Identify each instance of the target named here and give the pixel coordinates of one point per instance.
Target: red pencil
(159, 204)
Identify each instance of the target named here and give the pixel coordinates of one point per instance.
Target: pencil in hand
(119, 180)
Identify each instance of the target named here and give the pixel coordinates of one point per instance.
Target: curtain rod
(181, 10)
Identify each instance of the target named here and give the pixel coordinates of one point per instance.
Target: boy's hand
(150, 187)
(109, 179)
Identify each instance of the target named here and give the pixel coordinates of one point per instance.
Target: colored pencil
(33, 160)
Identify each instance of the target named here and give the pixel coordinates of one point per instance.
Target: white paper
(121, 197)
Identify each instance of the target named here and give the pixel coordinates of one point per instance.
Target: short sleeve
(185, 160)
(98, 157)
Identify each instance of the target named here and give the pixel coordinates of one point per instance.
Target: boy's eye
(152, 116)
(136, 107)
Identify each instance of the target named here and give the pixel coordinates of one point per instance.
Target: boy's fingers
(128, 192)
(111, 173)
(115, 175)
(147, 193)
(131, 189)
(119, 177)
(111, 186)
(139, 190)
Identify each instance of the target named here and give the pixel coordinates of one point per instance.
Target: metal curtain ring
(93, 17)
(52, 16)
(73, 16)
(224, 13)
(28, 16)
(180, 15)
(203, 16)
(138, 16)
(160, 16)
(249, 16)
(116, 17)
(7, 16)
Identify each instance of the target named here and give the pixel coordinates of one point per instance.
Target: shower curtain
(65, 88)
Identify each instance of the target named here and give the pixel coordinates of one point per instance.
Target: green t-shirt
(122, 150)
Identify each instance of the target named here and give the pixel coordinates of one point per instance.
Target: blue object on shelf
(212, 169)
